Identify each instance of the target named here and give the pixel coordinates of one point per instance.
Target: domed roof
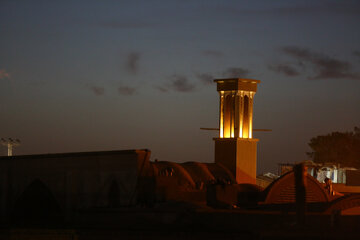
(220, 172)
(190, 173)
(198, 171)
(282, 190)
(346, 203)
(177, 171)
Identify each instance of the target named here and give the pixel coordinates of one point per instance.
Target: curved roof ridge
(180, 170)
(283, 190)
(225, 169)
(344, 202)
(203, 167)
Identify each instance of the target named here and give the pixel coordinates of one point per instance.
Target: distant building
(320, 171)
(284, 168)
(266, 179)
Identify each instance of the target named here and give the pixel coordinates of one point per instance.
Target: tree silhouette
(337, 147)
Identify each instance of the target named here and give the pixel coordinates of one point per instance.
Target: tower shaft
(235, 148)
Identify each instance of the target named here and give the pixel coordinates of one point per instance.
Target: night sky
(111, 75)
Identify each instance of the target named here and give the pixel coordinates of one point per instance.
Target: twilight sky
(110, 75)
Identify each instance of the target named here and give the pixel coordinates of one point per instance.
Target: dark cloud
(325, 67)
(357, 53)
(299, 53)
(213, 53)
(132, 62)
(284, 69)
(345, 7)
(234, 72)
(126, 91)
(4, 74)
(98, 91)
(206, 78)
(317, 7)
(124, 24)
(180, 83)
(161, 89)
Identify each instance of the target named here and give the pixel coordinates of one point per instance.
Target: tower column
(237, 115)
(221, 118)
(251, 97)
(241, 114)
(232, 114)
(246, 117)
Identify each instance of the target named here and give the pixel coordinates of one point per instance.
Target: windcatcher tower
(235, 148)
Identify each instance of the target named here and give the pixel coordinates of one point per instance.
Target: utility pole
(10, 143)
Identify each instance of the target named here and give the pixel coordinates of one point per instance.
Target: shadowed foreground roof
(348, 204)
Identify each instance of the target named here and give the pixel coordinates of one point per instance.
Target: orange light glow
(236, 108)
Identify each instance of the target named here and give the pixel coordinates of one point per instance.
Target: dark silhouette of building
(122, 192)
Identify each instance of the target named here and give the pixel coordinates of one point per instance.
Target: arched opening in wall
(37, 207)
(227, 116)
(114, 195)
(246, 117)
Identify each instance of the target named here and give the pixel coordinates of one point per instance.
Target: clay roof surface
(282, 190)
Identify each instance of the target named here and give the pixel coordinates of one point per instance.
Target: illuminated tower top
(10, 143)
(236, 106)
